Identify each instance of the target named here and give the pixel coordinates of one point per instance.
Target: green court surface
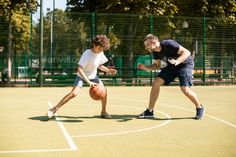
(78, 131)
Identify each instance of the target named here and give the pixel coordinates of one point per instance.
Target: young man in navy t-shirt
(179, 64)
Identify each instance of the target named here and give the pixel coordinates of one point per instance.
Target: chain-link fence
(67, 35)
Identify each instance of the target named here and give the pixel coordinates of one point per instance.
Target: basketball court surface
(77, 129)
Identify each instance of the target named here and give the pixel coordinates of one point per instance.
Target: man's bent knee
(158, 82)
(185, 90)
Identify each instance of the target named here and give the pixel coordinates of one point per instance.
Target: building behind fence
(67, 35)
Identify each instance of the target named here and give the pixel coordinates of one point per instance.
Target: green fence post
(53, 42)
(31, 46)
(41, 46)
(93, 24)
(151, 31)
(25, 69)
(151, 24)
(204, 51)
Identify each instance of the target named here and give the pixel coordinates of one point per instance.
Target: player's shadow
(72, 119)
(118, 118)
(45, 119)
(124, 118)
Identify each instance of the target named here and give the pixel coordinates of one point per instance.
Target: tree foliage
(225, 9)
(17, 14)
(158, 7)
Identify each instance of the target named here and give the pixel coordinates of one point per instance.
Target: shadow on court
(45, 119)
(72, 119)
(119, 118)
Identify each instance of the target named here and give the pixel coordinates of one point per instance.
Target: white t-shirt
(90, 61)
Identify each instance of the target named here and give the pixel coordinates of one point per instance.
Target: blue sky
(60, 4)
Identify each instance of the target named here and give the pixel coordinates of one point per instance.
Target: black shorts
(169, 73)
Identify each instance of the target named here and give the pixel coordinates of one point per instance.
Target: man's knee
(158, 82)
(185, 90)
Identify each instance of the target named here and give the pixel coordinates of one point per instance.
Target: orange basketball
(97, 92)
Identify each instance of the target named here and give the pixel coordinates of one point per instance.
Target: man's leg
(155, 92)
(191, 95)
(148, 113)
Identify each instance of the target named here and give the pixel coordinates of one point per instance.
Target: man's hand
(112, 72)
(173, 61)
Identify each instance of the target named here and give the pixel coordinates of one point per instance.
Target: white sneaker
(49, 114)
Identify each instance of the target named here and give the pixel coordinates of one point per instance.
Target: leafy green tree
(15, 15)
(128, 33)
(223, 9)
(157, 7)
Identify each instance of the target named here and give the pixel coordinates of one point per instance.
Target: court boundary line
(33, 151)
(64, 131)
(73, 146)
(68, 138)
(207, 115)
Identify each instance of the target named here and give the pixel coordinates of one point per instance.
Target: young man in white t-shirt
(90, 61)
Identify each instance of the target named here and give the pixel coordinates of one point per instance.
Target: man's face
(149, 46)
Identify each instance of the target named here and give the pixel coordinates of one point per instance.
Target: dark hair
(102, 41)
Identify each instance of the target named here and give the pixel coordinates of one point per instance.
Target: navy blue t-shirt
(169, 49)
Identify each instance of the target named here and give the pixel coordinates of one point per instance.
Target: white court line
(74, 147)
(128, 131)
(33, 151)
(207, 115)
(64, 131)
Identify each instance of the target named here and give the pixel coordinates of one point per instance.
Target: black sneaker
(200, 113)
(146, 114)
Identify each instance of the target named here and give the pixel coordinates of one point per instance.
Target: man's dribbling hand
(112, 72)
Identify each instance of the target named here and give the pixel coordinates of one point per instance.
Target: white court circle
(181, 108)
(127, 131)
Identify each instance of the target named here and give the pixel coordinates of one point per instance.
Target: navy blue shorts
(169, 73)
(80, 82)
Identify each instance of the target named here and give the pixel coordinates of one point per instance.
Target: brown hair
(150, 37)
(102, 41)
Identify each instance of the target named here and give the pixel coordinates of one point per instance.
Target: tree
(223, 9)
(16, 15)
(142, 9)
(157, 7)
